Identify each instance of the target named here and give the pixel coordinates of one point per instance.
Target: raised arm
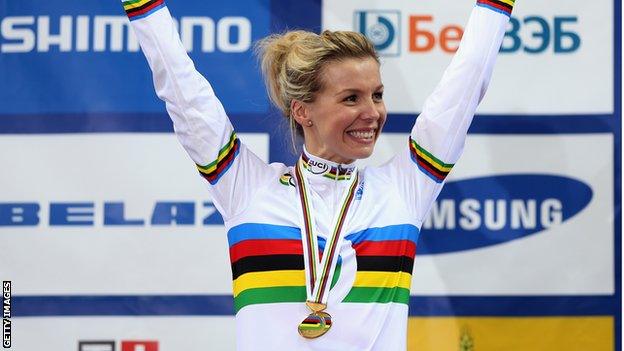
(437, 138)
(199, 120)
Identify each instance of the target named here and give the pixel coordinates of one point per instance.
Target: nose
(372, 110)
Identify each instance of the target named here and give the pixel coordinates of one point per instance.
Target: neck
(326, 155)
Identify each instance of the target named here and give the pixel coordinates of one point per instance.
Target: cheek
(384, 116)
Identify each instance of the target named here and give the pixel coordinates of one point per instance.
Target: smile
(368, 134)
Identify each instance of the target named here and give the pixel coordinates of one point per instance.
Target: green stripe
(420, 148)
(269, 295)
(312, 327)
(130, 2)
(276, 294)
(378, 295)
(222, 152)
(340, 177)
(336, 275)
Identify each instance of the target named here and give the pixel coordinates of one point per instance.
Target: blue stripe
(253, 231)
(147, 13)
(124, 305)
(98, 122)
(222, 305)
(495, 9)
(259, 231)
(393, 232)
(428, 174)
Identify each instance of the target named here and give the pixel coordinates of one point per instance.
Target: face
(347, 114)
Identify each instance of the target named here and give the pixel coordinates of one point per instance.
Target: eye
(378, 96)
(351, 98)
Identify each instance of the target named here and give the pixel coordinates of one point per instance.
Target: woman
(322, 252)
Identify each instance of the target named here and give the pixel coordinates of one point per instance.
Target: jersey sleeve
(437, 138)
(233, 173)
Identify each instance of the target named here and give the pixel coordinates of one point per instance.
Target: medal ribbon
(319, 272)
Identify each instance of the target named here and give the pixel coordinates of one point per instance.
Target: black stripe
(225, 159)
(502, 4)
(442, 174)
(229, 154)
(266, 263)
(385, 263)
(432, 168)
(129, 12)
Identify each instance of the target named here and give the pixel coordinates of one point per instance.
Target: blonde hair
(292, 64)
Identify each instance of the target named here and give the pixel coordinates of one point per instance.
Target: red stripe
(261, 247)
(430, 170)
(145, 10)
(312, 320)
(439, 174)
(499, 3)
(385, 248)
(424, 162)
(498, 6)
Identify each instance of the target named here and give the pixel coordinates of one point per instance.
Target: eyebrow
(353, 90)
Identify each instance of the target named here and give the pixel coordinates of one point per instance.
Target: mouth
(363, 135)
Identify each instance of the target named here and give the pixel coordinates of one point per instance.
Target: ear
(299, 111)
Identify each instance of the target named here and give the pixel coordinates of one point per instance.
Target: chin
(362, 153)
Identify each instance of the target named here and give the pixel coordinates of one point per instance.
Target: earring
(309, 123)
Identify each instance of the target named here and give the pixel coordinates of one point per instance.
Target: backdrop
(109, 239)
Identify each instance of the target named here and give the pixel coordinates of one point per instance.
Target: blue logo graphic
(163, 213)
(481, 212)
(383, 28)
(60, 58)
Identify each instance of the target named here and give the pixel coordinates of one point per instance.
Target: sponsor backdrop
(108, 240)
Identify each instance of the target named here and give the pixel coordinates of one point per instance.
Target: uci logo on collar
(317, 167)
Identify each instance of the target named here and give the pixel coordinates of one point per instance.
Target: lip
(362, 130)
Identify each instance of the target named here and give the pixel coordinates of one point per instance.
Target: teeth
(362, 135)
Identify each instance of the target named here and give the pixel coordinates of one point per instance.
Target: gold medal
(318, 272)
(317, 323)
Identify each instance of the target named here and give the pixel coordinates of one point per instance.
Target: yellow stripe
(135, 5)
(508, 2)
(221, 156)
(268, 279)
(340, 177)
(511, 333)
(383, 279)
(433, 162)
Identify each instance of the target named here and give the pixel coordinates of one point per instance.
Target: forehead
(352, 73)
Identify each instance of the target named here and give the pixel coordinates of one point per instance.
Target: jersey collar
(320, 167)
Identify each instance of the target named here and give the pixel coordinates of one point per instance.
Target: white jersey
(259, 203)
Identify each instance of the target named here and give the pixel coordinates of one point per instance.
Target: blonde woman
(322, 252)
